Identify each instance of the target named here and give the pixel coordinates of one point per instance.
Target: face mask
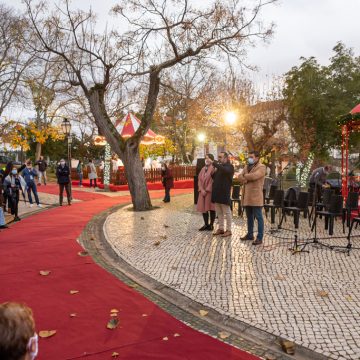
(33, 343)
(62, 163)
(14, 172)
(251, 161)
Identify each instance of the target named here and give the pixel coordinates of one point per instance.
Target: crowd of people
(214, 186)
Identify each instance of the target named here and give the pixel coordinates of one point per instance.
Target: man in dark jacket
(63, 179)
(221, 190)
(42, 164)
(318, 179)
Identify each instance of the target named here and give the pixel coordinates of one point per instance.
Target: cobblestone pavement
(310, 298)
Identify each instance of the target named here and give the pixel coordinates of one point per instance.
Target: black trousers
(61, 192)
(91, 181)
(167, 195)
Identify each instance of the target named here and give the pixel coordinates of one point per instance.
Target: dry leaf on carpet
(73, 315)
(165, 338)
(47, 333)
(176, 335)
(72, 292)
(203, 312)
(114, 310)
(113, 324)
(115, 354)
(83, 253)
(44, 272)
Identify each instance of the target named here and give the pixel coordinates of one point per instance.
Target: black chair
(324, 204)
(355, 220)
(236, 198)
(271, 194)
(277, 204)
(302, 206)
(351, 204)
(335, 209)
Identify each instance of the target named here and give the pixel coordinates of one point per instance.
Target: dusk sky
(303, 28)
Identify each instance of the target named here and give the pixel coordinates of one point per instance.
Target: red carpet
(47, 241)
(179, 184)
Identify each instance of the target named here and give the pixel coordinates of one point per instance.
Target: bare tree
(159, 35)
(13, 58)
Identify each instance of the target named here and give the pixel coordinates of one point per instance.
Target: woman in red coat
(204, 204)
(167, 181)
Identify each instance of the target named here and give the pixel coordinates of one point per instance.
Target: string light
(303, 170)
(107, 164)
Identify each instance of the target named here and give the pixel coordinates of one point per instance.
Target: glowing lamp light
(201, 137)
(230, 117)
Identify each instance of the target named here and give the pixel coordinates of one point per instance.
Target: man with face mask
(13, 184)
(223, 177)
(252, 178)
(29, 174)
(63, 179)
(18, 340)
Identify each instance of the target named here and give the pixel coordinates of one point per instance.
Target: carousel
(349, 123)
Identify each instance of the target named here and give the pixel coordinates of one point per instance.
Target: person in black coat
(63, 179)
(221, 189)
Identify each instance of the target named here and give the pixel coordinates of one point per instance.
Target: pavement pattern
(309, 298)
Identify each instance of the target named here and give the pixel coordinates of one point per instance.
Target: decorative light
(230, 117)
(107, 164)
(66, 127)
(201, 137)
(303, 170)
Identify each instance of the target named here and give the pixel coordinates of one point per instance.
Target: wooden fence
(151, 175)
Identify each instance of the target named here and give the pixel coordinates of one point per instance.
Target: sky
(303, 28)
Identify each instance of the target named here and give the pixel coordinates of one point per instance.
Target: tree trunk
(37, 151)
(135, 177)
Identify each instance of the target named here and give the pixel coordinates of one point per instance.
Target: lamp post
(66, 129)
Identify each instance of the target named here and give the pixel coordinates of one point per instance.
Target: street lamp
(66, 129)
(201, 137)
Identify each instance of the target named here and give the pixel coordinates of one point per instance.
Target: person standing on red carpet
(18, 340)
(63, 179)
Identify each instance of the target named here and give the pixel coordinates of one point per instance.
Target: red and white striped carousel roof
(128, 126)
(356, 109)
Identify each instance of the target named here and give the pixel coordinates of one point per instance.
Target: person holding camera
(221, 189)
(252, 178)
(29, 174)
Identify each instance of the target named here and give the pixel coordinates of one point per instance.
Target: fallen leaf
(47, 333)
(348, 298)
(203, 312)
(134, 285)
(72, 292)
(92, 238)
(224, 335)
(165, 338)
(144, 315)
(322, 293)
(113, 314)
(45, 272)
(163, 237)
(157, 243)
(288, 347)
(176, 335)
(166, 226)
(114, 310)
(83, 253)
(142, 218)
(115, 354)
(113, 324)
(73, 315)
(279, 277)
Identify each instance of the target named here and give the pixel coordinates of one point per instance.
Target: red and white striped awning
(128, 126)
